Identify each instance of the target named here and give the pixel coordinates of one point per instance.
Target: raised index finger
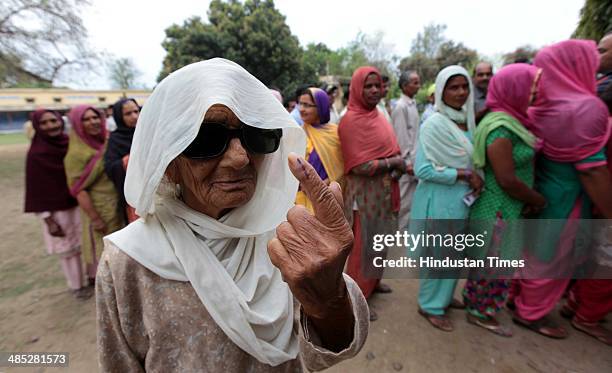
(327, 209)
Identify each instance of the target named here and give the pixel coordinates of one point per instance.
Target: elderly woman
(211, 278)
(323, 144)
(89, 184)
(47, 196)
(125, 114)
(444, 168)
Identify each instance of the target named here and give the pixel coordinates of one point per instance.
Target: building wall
(16, 103)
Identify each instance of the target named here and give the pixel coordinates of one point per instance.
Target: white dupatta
(225, 260)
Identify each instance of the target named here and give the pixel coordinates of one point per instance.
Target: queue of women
(237, 257)
(75, 184)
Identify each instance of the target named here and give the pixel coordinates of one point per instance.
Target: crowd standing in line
(531, 140)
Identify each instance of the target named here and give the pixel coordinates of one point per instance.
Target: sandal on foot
(456, 304)
(382, 288)
(495, 329)
(543, 326)
(595, 330)
(441, 322)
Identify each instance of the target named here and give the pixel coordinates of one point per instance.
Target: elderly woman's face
(217, 185)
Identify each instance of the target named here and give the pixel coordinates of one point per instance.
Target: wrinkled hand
(55, 229)
(310, 251)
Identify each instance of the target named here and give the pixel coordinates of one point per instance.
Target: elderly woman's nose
(236, 155)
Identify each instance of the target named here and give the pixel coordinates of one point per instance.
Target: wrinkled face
(605, 51)
(308, 110)
(372, 90)
(92, 123)
(50, 125)
(130, 113)
(482, 75)
(456, 92)
(215, 186)
(412, 87)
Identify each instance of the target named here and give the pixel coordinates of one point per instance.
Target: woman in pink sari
(571, 174)
(96, 194)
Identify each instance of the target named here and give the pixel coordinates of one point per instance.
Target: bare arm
(597, 184)
(499, 154)
(381, 166)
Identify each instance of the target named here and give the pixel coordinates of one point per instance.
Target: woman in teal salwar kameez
(444, 168)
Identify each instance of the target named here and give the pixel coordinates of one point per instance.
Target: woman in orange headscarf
(371, 156)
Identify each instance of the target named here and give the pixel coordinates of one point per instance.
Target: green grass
(13, 138)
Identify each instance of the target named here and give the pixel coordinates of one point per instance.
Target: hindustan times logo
(411, 241)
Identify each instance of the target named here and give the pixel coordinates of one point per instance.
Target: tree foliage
(595, 20)
(523, 53)
(254, 35)
(123, 73)
(431, 51)
(41, 41)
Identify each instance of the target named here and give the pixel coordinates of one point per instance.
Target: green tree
(253, 34)
(424, 51)
(595, 20)
(524, 53)
(451, 53)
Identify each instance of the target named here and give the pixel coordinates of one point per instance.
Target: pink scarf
(568, 116)
(509, 90)
(95, 142)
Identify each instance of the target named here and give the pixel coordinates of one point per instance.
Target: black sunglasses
(213, 138)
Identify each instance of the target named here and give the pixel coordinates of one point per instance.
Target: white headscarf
(225, 260)
(445, 144)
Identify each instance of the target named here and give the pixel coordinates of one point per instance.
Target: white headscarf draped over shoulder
(445, 144)
(225, 260)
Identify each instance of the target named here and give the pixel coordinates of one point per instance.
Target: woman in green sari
(84, 164)
(504, 149)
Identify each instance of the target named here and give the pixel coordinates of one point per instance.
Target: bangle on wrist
(468, 174)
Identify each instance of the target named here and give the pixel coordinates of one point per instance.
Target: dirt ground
(38, 314)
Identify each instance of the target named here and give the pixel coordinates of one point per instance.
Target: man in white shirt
(405, 119)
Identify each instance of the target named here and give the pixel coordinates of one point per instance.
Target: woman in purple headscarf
(323, 150)
(47, 196)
